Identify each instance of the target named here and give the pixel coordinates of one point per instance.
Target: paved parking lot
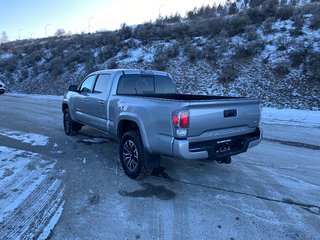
(79, 191)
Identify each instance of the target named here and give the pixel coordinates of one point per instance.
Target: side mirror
(73, 88)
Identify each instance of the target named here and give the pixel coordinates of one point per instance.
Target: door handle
(230, 113)
(101, 101)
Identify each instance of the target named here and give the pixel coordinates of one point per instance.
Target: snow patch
(36, 96)
(291, 117)
(54, 220)
(31, 194)
(6, 56)
(30, 138)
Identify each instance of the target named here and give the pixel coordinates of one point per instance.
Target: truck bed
(184, 97)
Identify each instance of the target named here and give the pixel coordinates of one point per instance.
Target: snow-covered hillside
(270, 51)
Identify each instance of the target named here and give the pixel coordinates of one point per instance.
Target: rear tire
(132, 156)
(70, 127)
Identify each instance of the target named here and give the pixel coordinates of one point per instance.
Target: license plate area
(223, 146)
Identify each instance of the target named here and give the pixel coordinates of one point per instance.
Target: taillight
(180, 121)
(175, 119)
(184, 119)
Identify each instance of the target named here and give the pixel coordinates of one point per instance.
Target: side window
(102, 83)
(87, 85)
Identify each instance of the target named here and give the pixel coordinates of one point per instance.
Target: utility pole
(19, 33)
(45, 28)
(162, 5)
(89, 26)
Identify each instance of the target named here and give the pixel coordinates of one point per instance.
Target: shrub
(106, 53)
(228, 72)
(23, 73)
(315, 21)
(269, 7)
(214, 26)
(297, 57)
(55, 67)
(300, 55)
(255, 3)
(202, 12)
(112, 64)
(248, 50)
(308, 9)
(298, 25)
(34, 70)
(251, 33)
(237, 24)
(285, 12)
(268, 23)
(192, 52)
(256, 15)
(10, 64)
(312, 67)
(173, 50)
(125, 32)
(160, 60)
(282, 69)
(232, 9)
(210, 51)
(282, 44)
(90, 67)
(172, 18)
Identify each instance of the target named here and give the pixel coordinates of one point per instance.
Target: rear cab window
(139, 84)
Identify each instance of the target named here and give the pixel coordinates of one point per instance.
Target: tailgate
(223, 117)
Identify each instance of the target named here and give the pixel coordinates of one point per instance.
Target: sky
(31, 18)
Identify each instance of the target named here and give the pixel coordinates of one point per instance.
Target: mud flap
(151, 160)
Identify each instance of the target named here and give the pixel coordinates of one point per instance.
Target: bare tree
(4, 37)
(60, 32)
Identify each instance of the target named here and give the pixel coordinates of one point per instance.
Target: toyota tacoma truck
(144, 110)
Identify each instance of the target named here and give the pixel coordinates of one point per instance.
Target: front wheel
(70, 127)
(132, 155)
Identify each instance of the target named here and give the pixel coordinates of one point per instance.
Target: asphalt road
(270, 192)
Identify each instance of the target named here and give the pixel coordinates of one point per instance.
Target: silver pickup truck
(145, 111)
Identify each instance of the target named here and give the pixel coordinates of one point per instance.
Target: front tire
(70, 127)
(132, 155)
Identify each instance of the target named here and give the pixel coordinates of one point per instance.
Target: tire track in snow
(32, 194)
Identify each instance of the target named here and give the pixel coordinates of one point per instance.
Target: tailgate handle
(230, 113)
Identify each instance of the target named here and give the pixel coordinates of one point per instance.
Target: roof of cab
(130, 71)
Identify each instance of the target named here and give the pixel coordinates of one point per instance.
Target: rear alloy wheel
(70, 127)
(132, 155)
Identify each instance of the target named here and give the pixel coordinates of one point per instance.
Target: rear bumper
(183, 149)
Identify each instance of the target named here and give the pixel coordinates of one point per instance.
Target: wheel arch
(64, 106)
(127, 123)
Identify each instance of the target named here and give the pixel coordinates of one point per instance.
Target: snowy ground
(75, 185)
(31, 190)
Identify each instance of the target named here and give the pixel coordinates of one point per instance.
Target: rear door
(98, 102)
(229, 117)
